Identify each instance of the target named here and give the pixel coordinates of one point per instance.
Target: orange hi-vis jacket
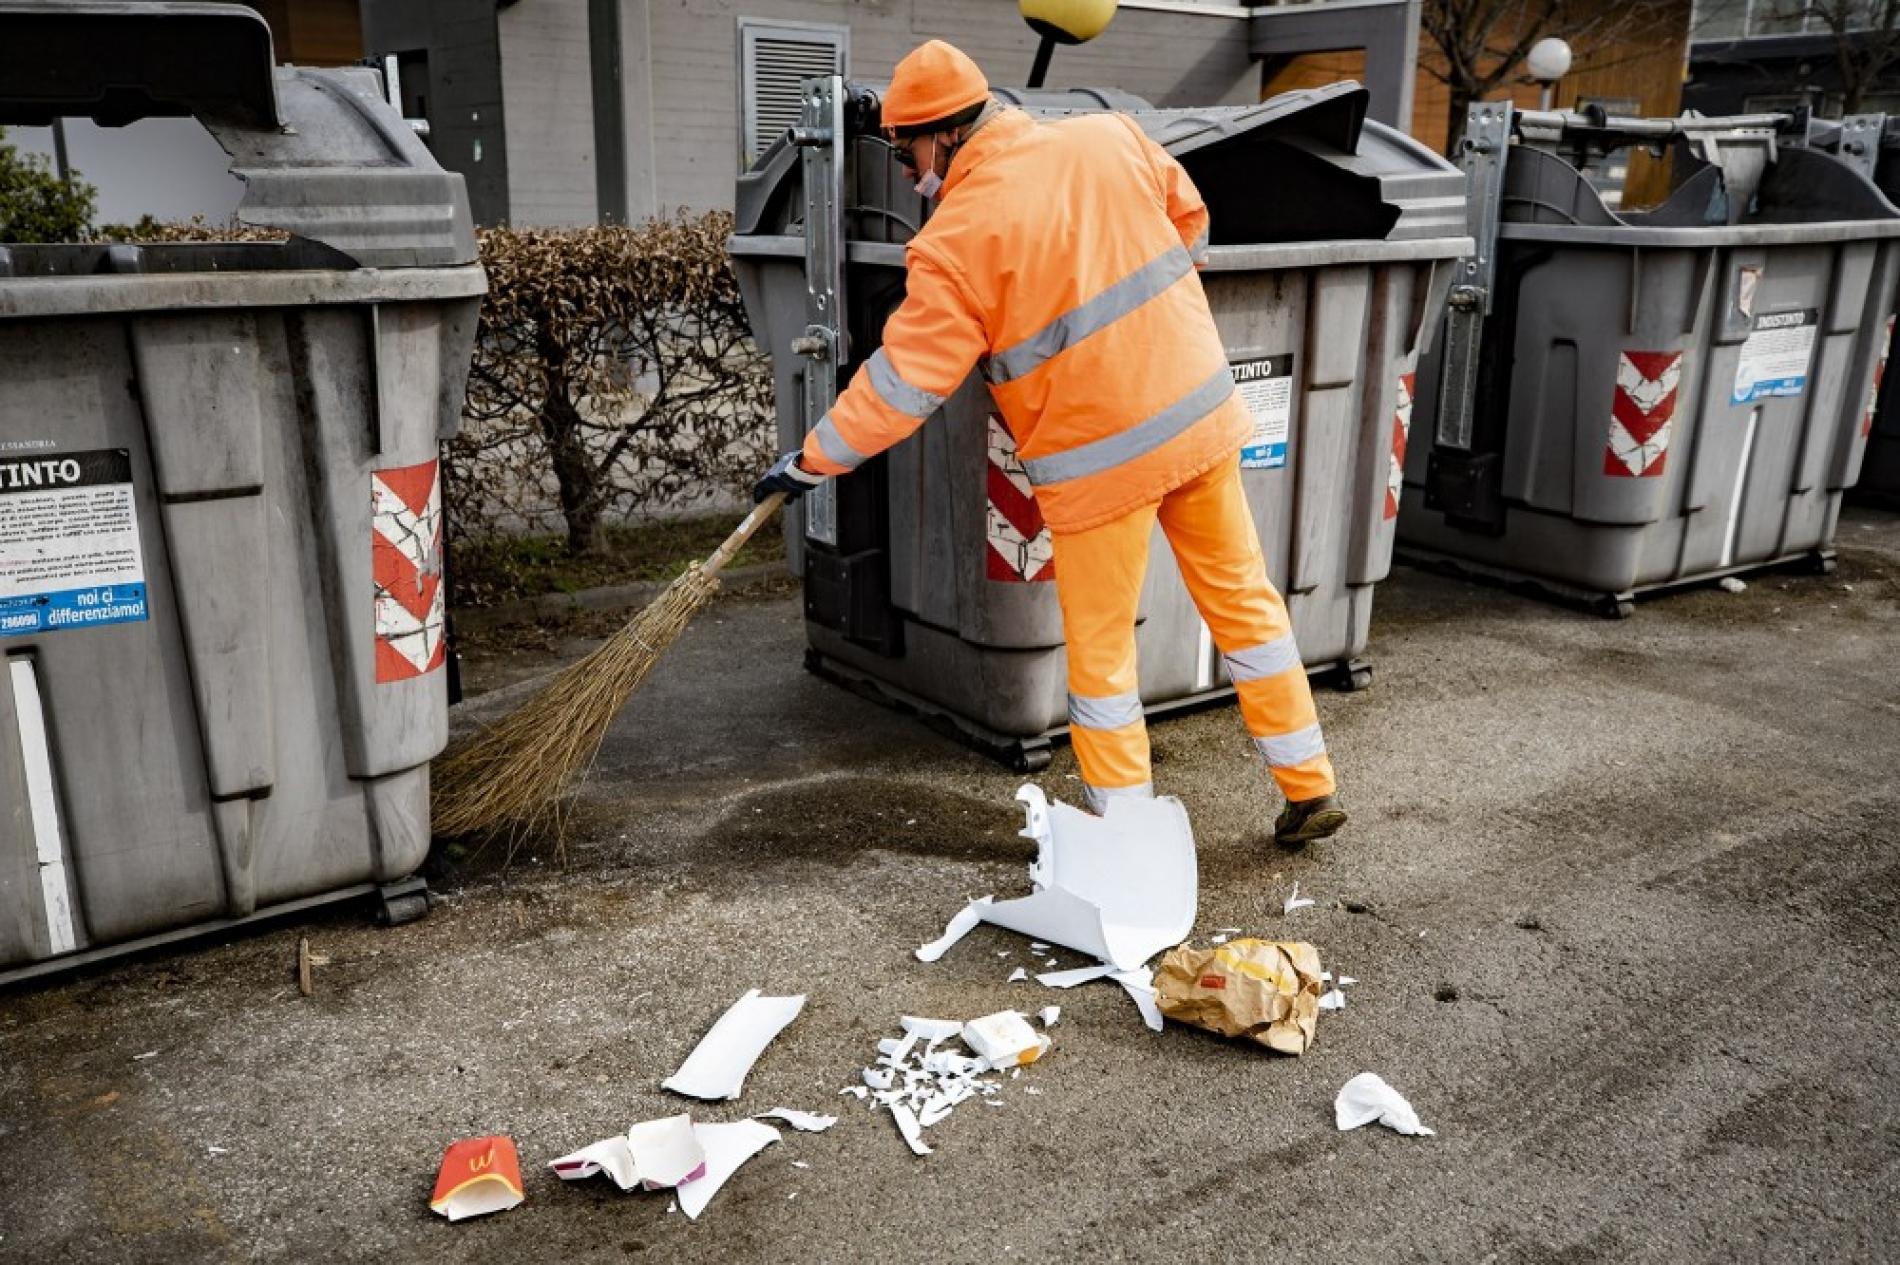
(1062, 260)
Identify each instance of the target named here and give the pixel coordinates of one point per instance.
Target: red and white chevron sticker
(1880, 371)
(1645, 402)
(1019, 549)
(1401, 431)
(406, 559)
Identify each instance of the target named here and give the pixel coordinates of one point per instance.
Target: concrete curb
(608, 597)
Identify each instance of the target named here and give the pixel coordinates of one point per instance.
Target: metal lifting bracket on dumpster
(1487, 137)
(820, 138)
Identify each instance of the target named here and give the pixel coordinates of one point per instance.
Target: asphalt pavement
(1621, 898)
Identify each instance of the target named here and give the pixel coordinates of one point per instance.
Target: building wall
(688, 52)
(547, 98)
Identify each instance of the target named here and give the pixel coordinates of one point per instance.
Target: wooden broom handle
(761, 512)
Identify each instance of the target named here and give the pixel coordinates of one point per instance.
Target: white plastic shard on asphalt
(803, 1121)
(1141, 987)
(1049, 1015)
(1332, 999)
(727, 1146)
(609, 1156)
(1120, 887)
(1017, 976)
(960, 926)
(666, 1152)
(1296, 901)
(1366, 1097)
(718, 1065)
(908, 1126)
(1073, 976)
(932, 1031)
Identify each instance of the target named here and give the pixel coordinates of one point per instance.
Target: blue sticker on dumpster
(69, 542)
(1775, 357)
(1265, 385)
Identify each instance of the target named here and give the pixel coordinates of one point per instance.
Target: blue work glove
(786, 476)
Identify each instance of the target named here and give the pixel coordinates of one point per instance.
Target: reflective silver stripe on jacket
(1269, 658)
(1297, 747)
(832, 444)
(1111, 712)
(1144, 437)
(1146, 282)
(909, 400)
(1198, 250)
(1098, 796)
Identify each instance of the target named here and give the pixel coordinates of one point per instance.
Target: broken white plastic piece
(932, 1031)
(1074, 975)
(1732, 585)
(800, 1164)
(1120, 887)
(1049, 1015)
(803, 1121)
(1038, 946)
(609, 1156)
(960, 926)
(727, 1146)
(1346, 979)
(1296, 901)
(1141, 987)
(718, 1065)
(908, 1125)
(1004, 1039)
(666, 1152)
(1220, 938)
(1366, 1097)
(857, 1091)
(1332, 999)
(1017, 976)
(880, 1077)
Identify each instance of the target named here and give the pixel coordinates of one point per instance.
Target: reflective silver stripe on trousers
(1269, 658)
(1111, 712)
(1295, 748)
(1098, 796)
(1144, 283)
(909, 400)
(1144, 437)
(1198, 250)
(832, 444)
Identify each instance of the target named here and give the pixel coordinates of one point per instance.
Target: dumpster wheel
(1352, 675)
(401, 902)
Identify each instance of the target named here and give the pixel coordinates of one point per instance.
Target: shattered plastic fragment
(803, 1121)
(879, 1078)
(1366, 1097)
(960, 926)
(908, 1126)
(1141, 987)
(666, 1152)
(856, 1091)
(1332, 999)
(1346, 979)
(1038, 946)
(718, 1065)
(1017, 976)
(800, 1164)
(1075, 975)
(609, 1156)
(1296, 901)
(727, 1146)
(932, 1030)
(1049, 1015)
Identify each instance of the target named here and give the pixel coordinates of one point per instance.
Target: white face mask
(930, 184)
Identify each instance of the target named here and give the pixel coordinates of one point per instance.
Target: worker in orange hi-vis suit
(1062, 259)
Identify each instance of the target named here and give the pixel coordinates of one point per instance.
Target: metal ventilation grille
(776, 60)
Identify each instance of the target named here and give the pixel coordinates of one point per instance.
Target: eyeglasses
(906, 152)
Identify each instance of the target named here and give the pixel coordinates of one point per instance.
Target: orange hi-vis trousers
(1098, 581)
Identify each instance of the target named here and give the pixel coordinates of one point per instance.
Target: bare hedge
(614, 375)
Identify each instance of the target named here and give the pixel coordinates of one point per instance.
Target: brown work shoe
(1308, 820)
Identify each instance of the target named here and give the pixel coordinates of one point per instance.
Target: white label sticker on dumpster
(1776, 356)
(69, 542)
(1266, 387)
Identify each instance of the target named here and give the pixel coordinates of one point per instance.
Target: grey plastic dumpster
(220, 521)
(926, 573)
(1628, 401)
(1872, 142)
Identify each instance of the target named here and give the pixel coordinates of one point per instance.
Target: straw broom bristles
(514, 774)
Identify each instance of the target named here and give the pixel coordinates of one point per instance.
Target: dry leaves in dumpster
(1264, 990)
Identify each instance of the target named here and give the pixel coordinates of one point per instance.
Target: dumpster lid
(115, 61)
(322, 155)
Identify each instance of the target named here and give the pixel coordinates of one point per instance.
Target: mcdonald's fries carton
(478, 1176)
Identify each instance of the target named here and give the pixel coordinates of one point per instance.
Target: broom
(515, 773)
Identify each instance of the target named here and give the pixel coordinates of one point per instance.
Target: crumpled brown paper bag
(1264, 990)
